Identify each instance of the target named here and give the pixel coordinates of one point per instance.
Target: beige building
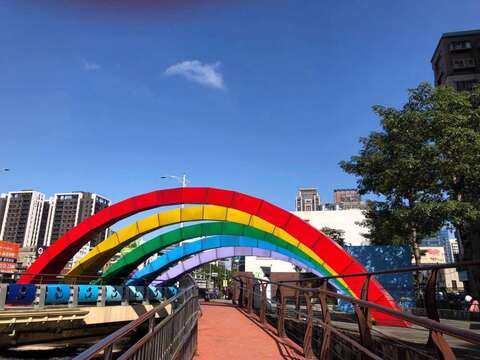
(448, 278)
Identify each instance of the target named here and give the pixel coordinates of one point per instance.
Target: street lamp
(181, 179)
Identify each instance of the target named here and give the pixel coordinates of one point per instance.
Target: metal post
(3, 295)
(103, 296)
(436, 339)
(74, 301)
(327, 329)
(125, 296)
(146, 299)
(240, 296)
(42, 293)
(297, 302)
(250, 295)
(263, 303)
(280, 312)
(307, 340)
(363, 318)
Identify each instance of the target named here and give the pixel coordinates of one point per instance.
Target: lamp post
(181, 179)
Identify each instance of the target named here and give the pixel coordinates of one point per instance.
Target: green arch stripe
(131, 260)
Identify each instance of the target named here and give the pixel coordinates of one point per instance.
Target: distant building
(308, 199)
(67, 210)
(448, 278)
(456, 60)
(3, 205)
(22, 217)
(345, 220)
(445, 239)
(43, 223)
(348, 221)
(347, 199)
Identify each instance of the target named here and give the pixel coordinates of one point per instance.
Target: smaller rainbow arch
(205, 257)
(148, 273)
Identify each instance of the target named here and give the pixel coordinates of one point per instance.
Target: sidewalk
(226, 332)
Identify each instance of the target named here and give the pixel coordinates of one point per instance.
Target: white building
(346, 220)
(22, 217)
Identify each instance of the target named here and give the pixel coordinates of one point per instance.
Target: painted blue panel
(114, 293)
(267, 245)
(211, 240)
(136, 293)
(57, 294)
(155, 294)
(226, 241)
(87, 293)
(244, 241)
(20, 294)
(377, 258)
(194, 246)
(170, 291)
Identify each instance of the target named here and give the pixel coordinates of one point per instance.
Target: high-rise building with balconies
(67, 210)
(456, 60)
(307, 199)
(22, 217)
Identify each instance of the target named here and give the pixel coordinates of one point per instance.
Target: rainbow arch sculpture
(205, 257)
(53, 260)
(148, 273)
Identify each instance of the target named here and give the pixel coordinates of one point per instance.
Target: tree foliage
(423, 165)
(336, 235)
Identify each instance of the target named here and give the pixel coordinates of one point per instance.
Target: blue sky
(262, 97)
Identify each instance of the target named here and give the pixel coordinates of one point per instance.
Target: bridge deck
(225, 332)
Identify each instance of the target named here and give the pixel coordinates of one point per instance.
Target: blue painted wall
(377, 258)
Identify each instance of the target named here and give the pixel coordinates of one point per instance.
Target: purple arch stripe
(205, 257)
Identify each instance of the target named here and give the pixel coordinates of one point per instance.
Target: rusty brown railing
(174, 337)
(248, 288)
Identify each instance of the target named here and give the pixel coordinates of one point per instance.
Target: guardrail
(43, 295)
(251, 289)
(174, 337)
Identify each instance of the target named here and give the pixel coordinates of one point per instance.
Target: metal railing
(248, 290)
(171, 332)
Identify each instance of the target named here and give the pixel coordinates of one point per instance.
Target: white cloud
(90, 66)
(194, 70)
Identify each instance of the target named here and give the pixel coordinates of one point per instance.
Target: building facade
(3, 205)
(67, 210)
(307, 199)
(456, 60)
(348, 221)
(446, 239)
(347, 199)
(22, 217)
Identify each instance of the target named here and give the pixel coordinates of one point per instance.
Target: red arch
(53, 260)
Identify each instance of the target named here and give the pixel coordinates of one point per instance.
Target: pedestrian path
(226, 332)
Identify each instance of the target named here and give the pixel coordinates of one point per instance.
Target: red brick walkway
(226, 332)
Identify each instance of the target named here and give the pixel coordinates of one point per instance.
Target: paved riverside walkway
(226, 332)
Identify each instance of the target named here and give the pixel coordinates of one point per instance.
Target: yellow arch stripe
(101, 253)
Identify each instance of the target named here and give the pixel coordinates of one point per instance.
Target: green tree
(336, 235)
(424, 166)
(455, 129)
(397, 163)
